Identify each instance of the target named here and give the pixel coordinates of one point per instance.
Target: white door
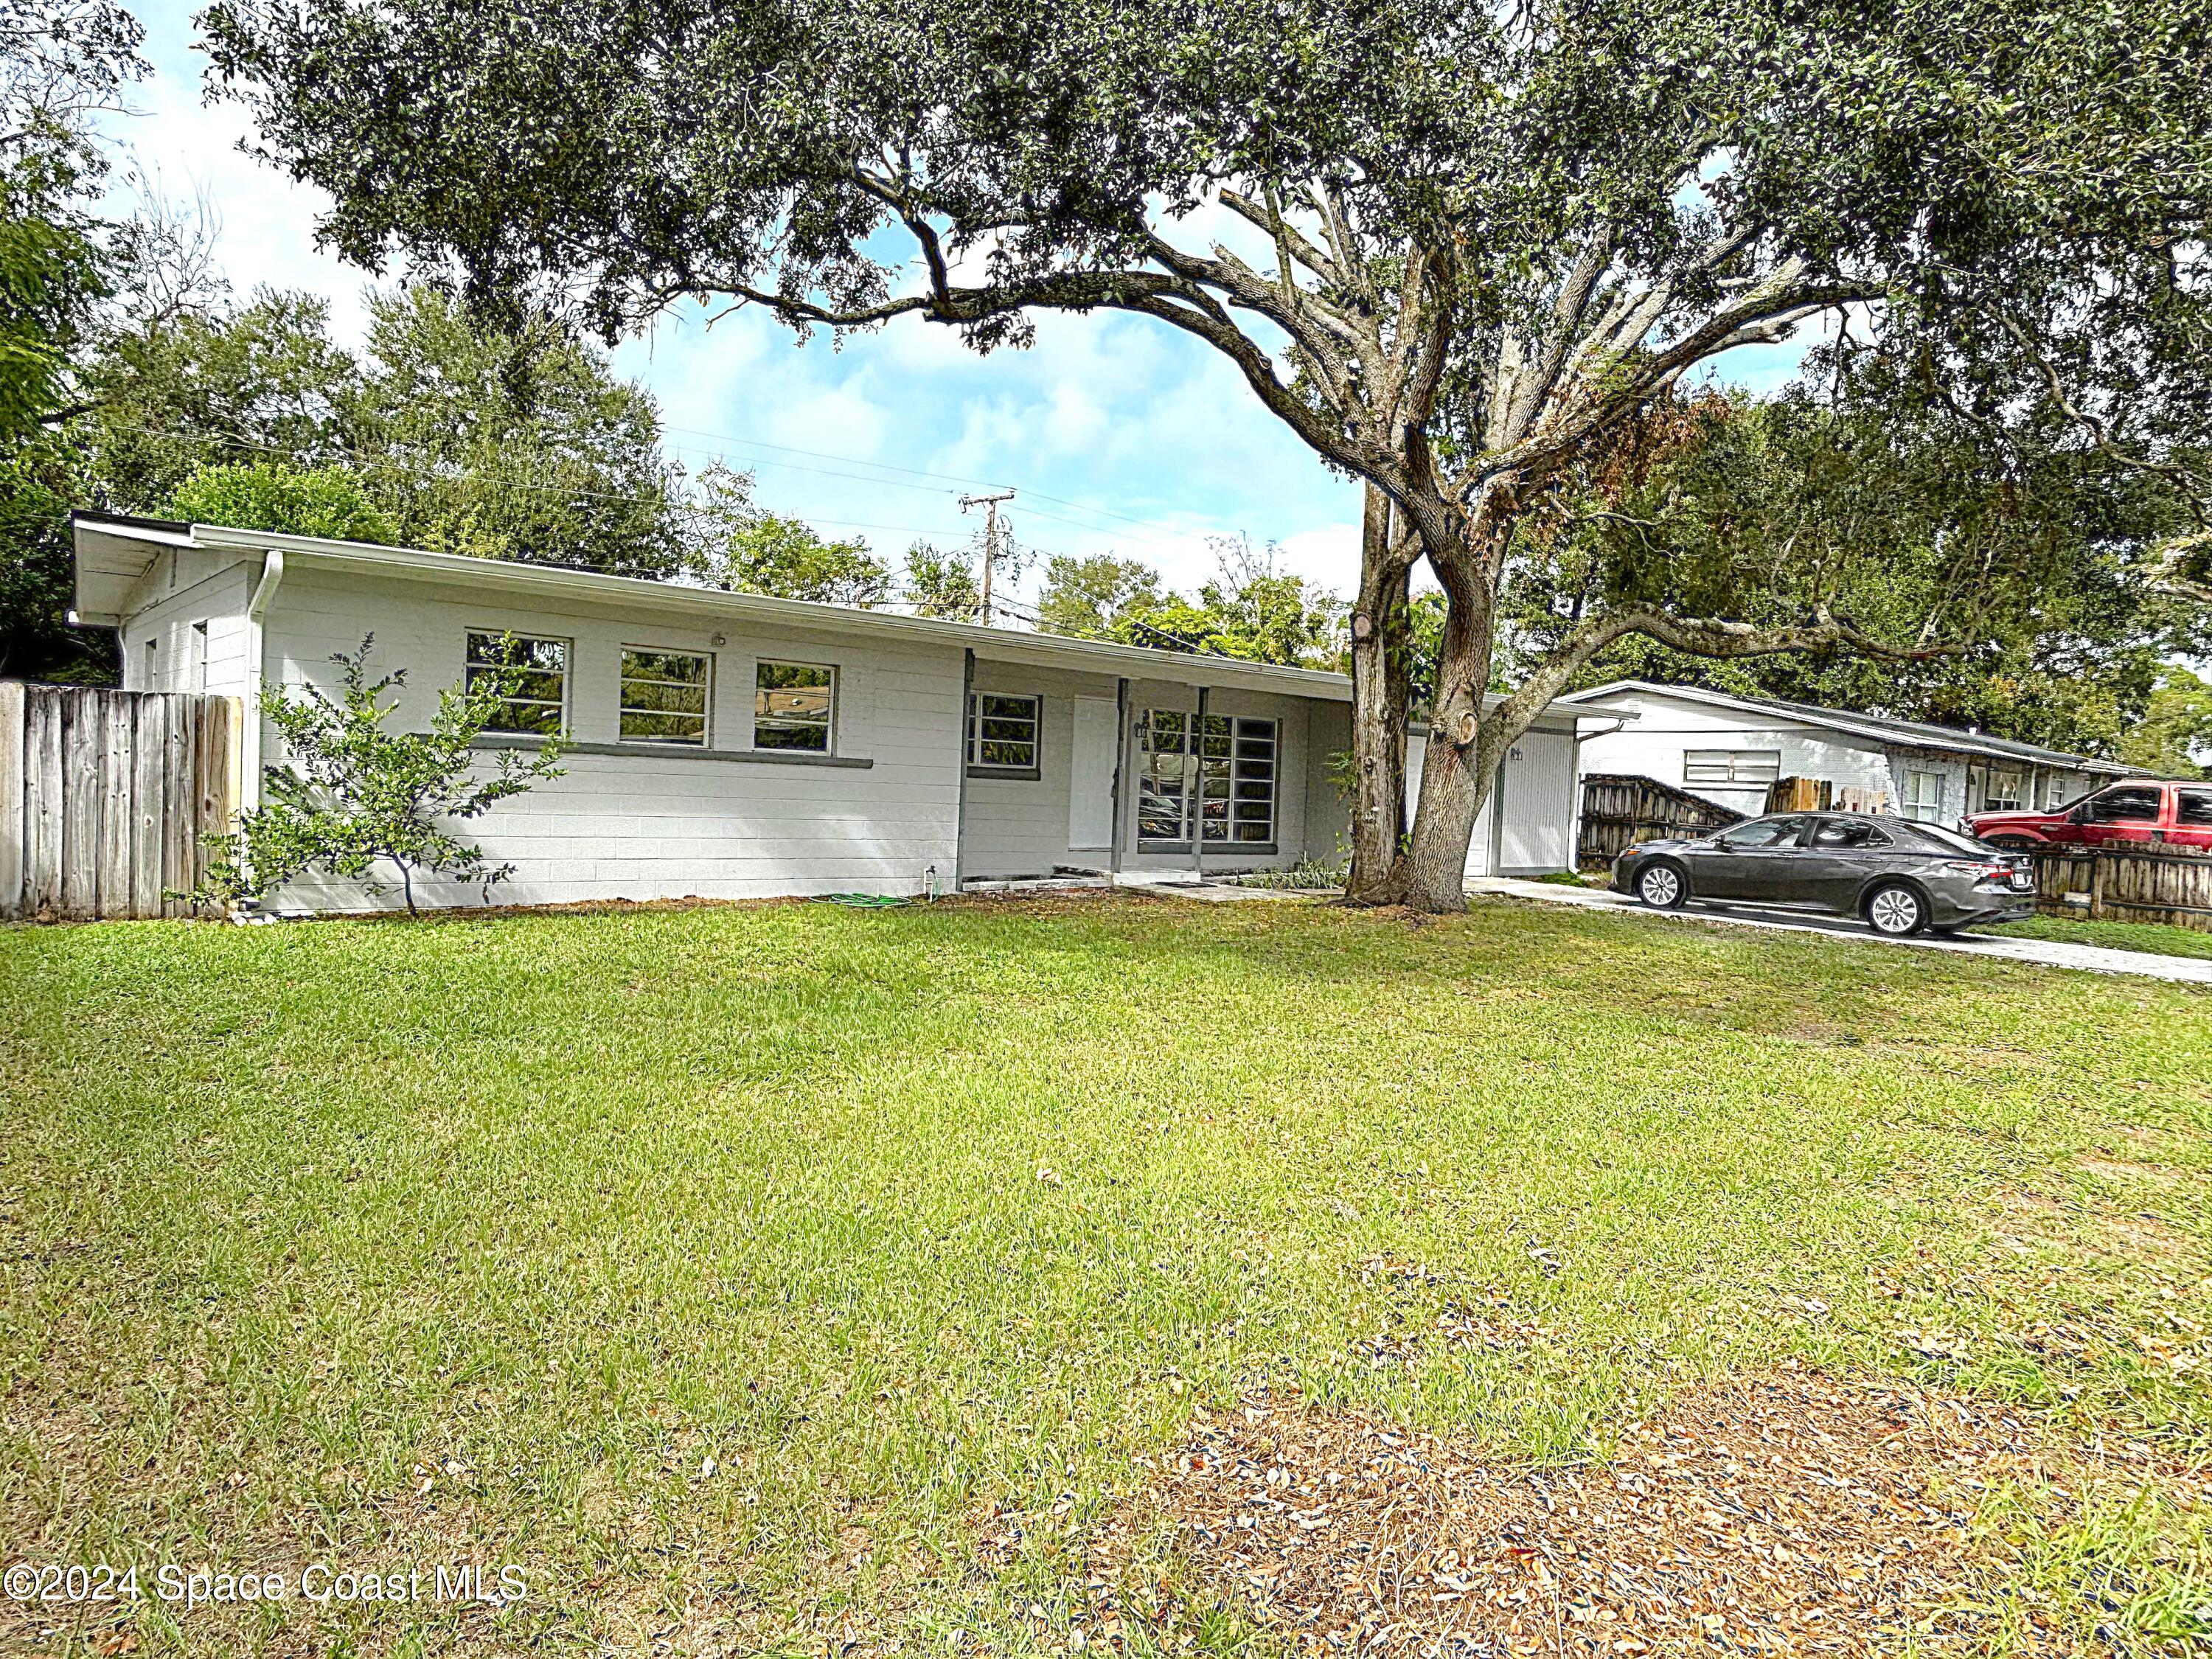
(1091, 774)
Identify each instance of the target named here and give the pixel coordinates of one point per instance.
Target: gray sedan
(1900, 878)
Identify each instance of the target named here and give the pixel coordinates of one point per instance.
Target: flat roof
(1916, 734)
(113, 552)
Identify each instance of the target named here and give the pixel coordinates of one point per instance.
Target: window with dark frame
(665, 696)
(1236, 776)
(795, 706)
(1005, 734)
(537, 700)
(1237, 759)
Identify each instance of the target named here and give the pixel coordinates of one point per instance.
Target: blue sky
(1120, 435)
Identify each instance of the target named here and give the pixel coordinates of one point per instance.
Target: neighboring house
(1732, 749)
(731, 745)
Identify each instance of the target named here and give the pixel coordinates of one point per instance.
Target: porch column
(1197, 760)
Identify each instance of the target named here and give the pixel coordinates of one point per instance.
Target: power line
(919, 472)
(671, 502)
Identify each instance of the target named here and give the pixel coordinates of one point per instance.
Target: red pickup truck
(2168, 814)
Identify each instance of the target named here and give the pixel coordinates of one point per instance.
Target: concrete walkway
(2096, 958)
(1207, 892)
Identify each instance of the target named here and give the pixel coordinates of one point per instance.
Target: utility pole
(990, 506)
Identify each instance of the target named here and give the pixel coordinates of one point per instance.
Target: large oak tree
(1457, 248)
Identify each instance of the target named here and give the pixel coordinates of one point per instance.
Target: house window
(1002, 733)
(195, 644)
(795, 706)
(2057, 789)
(664, 695)
(1163, 778)
(1748, 766)
(2004, 789)
(1923, 796)
(152, 664)
(1237, 779)
(536, 670)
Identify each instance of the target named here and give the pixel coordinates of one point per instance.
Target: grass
(2153, 936)
(728, 1270)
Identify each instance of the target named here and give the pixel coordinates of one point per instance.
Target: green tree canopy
(2174, 735)
(212, 386)
(937, 583)
(2034, 556)
(323, 500)
(522, 436)
(733, 544)
(1247, 611)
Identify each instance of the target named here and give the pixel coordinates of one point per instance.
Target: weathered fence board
(105, 797)
(11, 790)
(149, 733)
(2139, 883)
(42, 797)
(1621, 809)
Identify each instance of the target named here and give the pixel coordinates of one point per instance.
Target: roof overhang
(114, 554)
(1959, 743)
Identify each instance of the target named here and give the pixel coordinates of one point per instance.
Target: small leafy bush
(355, 795)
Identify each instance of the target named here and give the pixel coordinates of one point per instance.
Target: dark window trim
(1216, 849)
(673, 751)
(971, 731)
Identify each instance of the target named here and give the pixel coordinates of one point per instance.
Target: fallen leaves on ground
(1790, 1513)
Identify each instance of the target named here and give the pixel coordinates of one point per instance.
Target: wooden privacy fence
(104, 795)
(2126, 883)
(1621, 809)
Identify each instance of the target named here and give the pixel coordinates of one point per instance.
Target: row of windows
(1221, 773)
(664, 695)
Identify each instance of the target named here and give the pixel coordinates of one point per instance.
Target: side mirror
(2080, 814)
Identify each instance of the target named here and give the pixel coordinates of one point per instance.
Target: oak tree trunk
(1455, 776)
(1381, 679)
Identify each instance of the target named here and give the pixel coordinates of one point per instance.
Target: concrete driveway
(2096, 959)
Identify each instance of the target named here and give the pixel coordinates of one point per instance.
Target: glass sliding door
(1164, 780)
(1219, 773)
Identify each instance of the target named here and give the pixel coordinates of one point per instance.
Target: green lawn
(2152, 936)
(725, 1268)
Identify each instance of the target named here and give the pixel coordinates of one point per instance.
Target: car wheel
(1897, 911)
(1662, 886)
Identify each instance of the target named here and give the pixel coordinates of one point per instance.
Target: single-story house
(1732, 749)
(733, 745)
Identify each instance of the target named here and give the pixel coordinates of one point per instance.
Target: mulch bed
(1793, 1512)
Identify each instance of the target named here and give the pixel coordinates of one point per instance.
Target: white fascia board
(1135, 662)
(109, 562)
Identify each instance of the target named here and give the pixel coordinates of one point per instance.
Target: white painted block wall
(661, 824)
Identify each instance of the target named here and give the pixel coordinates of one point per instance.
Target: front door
(1165, 770)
